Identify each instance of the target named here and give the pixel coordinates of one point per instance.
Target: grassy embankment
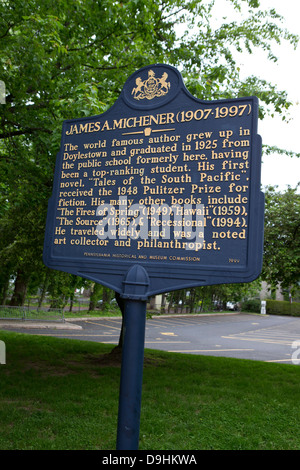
(63, 394)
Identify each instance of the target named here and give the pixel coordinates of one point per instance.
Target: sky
(277, 169)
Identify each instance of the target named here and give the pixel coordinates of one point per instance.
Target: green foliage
(281, 307)
(69, 59)
(207, 298)
(282, 240)
(251, 306)
(101, 297)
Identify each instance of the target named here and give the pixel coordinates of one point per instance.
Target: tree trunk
(21, 283)
(105, 297)
(4, 292)
(121, 304)
(94, 297)
(44, 289)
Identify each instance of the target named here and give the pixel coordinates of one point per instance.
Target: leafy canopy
(62, 59)
(282, 238)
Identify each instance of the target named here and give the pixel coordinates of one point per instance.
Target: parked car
(231, 306)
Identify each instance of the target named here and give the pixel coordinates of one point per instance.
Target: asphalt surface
(245, 336)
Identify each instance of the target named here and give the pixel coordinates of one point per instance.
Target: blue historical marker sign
(162, 181)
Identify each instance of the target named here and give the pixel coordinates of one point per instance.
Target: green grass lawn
(58, 394)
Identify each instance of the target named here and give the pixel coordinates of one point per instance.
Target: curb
(27, 324)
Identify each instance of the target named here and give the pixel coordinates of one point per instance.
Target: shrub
(281, 307)
(252, 306)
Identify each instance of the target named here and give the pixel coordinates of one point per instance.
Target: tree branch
(6, 135)
(110, 67)
(7, 31)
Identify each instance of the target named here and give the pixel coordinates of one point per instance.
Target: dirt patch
(114, 359)
(111, 359)
(90, 362)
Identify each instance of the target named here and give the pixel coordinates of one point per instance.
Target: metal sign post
(131, 375)
(136, 285)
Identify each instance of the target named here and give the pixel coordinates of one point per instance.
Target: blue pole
(131, 375)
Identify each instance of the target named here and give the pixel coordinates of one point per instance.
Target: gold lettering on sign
(154, 182)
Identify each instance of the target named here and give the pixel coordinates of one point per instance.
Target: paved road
(258, 337)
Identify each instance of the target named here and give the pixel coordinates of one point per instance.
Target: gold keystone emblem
(152, 87)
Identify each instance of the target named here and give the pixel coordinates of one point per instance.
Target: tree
(71, 58)
(100, 293)
(65, 59)
(282, 238)
(206, 298)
